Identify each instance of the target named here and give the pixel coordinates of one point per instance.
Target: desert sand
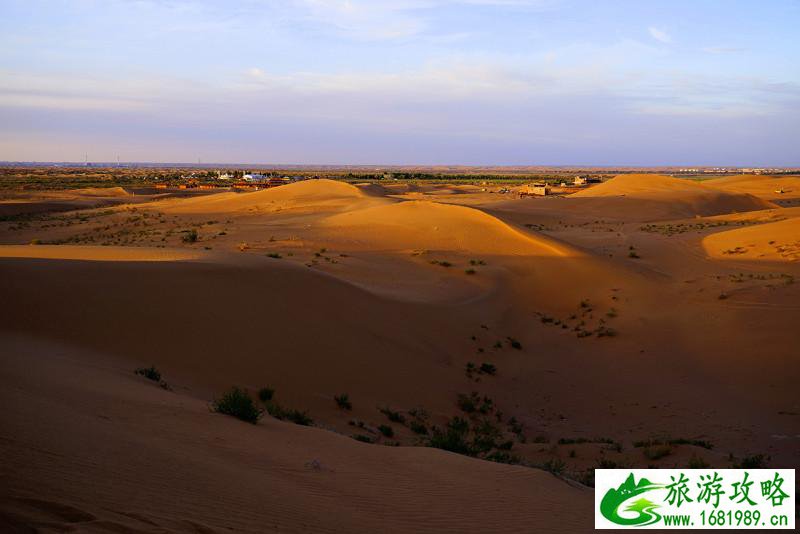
(612, 317)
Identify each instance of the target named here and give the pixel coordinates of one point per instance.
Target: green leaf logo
(614, 499)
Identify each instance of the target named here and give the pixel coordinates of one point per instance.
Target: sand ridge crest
(665, 197)
(322, 193)
(422, 224)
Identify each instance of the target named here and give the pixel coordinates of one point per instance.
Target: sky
(402, 82)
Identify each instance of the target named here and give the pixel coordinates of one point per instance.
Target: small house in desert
(536, 189)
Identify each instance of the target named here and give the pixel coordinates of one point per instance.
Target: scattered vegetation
(555, 466)
(674, 441)
(757, 461)
(237, 403)
(386, 430)
(453, 437)
(680, 228)
(265, 394)
(190, 236)
(605, 331)
(695, 462)
(515, 427)
(287, 414)
(657, 452)
(579, 441)
(418, 427)
(737, 250)
(488, 368)
(150, 373)
(274, 255)
(419, 421)
(485, 369)
(394, 417)
(343, 401)
(503, 457)
(474, 403)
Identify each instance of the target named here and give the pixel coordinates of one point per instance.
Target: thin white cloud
(659, 35)
(722, 49)
(391, 19)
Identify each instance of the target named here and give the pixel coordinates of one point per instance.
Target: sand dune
(372, 189)
(414, 225)
(40, 202)
(187, 316)
(638, 185)
(305, 195)
(90, 446)
(112, 452)
(102, 192)
(778, 241)
(767, 187)
(93, 253)
(663, 197)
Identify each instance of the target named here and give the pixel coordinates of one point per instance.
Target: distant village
(729, 170)
(237, 179)
(240, 179)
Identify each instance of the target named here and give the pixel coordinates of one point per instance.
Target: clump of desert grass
(190, 236)
(343, 401)
(237, 403)
(393, 416)
(150, 373)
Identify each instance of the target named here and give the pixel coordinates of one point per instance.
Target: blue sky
(485, 82)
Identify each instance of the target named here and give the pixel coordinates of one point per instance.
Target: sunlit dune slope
(415, 225)
(92, 253)
(316, 194)
(768, 187)
(668, 197)
(102, 192)
(778, 241)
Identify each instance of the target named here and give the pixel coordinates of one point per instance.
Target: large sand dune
(305, 195)
(294, 328)
(662, 197)
(767, 187)
(112, 452)
(425, 225)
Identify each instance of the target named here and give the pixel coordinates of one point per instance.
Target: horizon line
(395, 165)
